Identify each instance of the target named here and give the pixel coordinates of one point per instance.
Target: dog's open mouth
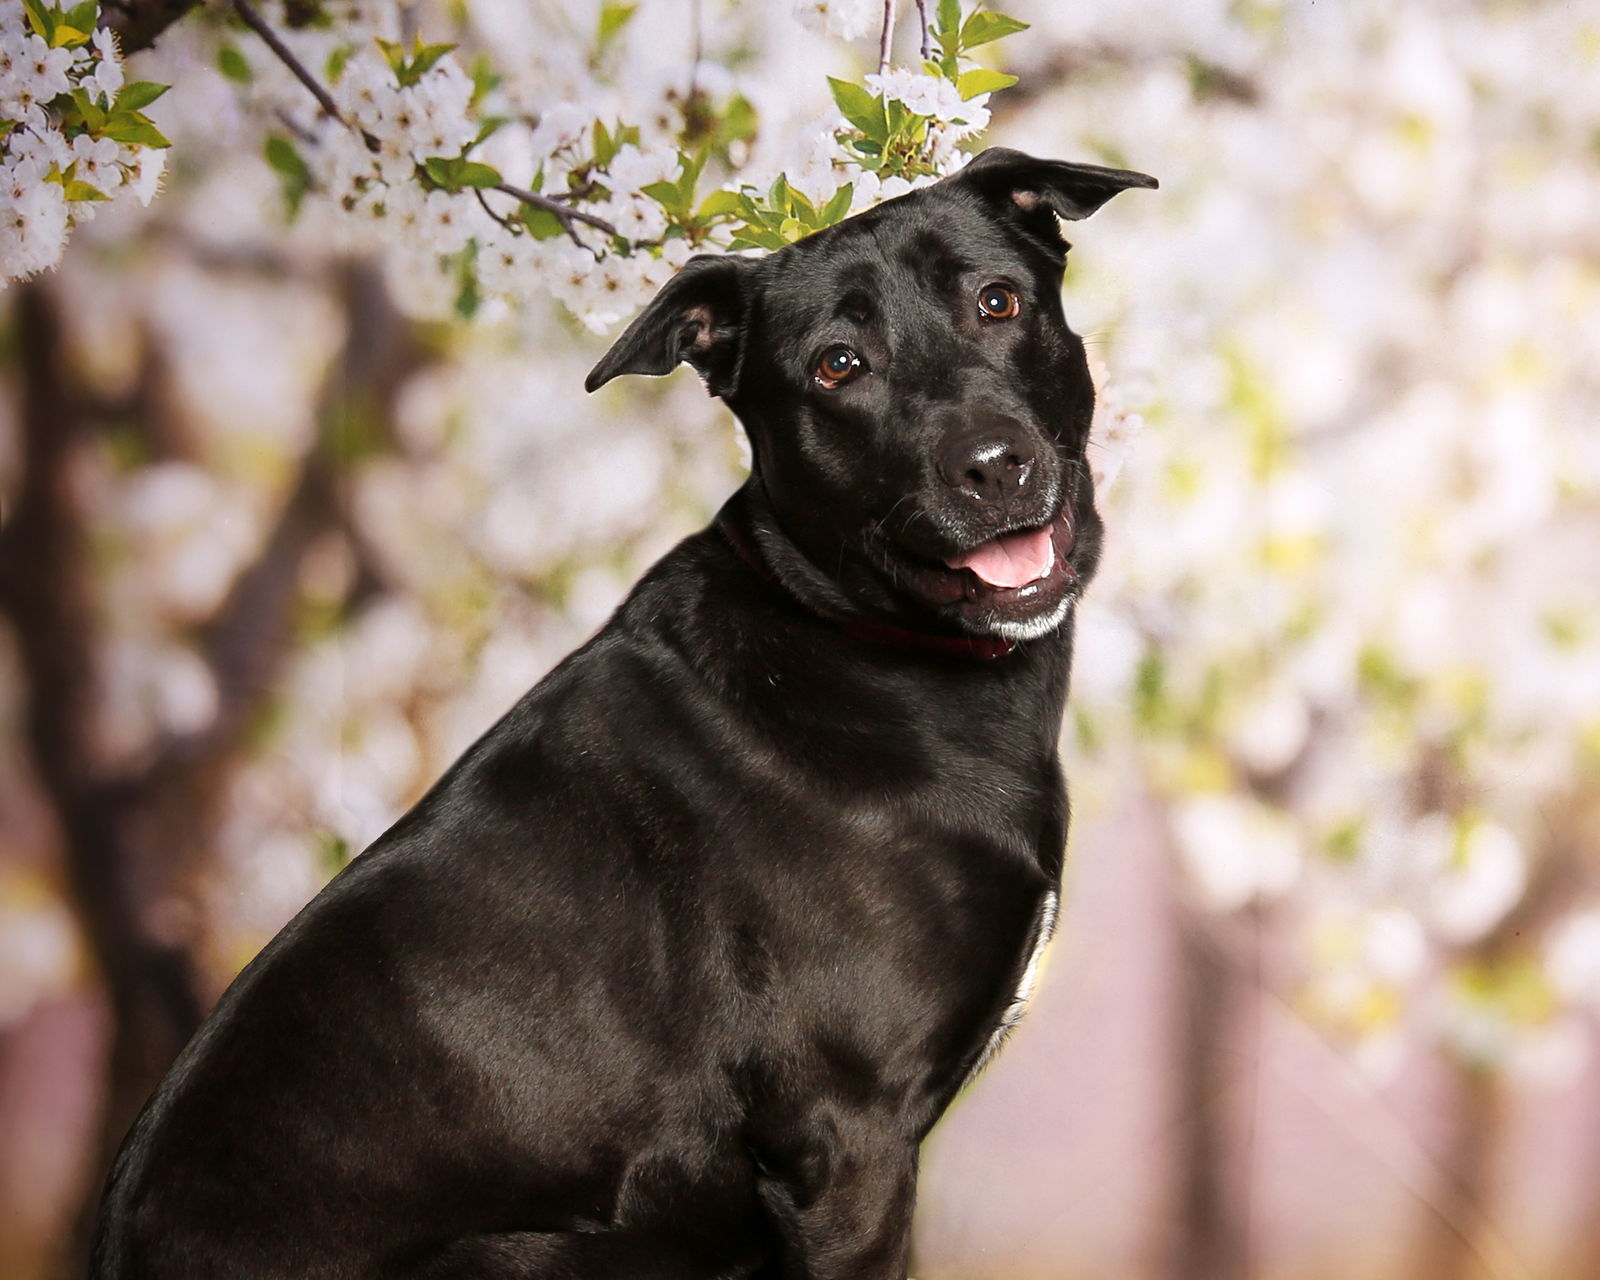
(1011, 561)
(1022, 574)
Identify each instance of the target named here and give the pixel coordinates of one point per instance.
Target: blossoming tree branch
(422, 150)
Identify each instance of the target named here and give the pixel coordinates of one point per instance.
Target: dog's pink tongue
(1012, 561)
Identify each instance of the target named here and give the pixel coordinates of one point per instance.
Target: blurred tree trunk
(48, 593)
(1208, 1234)
(1461, 1241)
(139, 23)
(135, 841)
(1452, 1247)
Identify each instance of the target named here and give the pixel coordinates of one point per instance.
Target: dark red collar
(867, 629)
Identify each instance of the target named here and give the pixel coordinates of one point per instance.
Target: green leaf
(471, 173)
(422, 62)
(541, 223)
(860, 108)
(719, 204)
(89, 111)
(84, 16)
(484, 79)
(282, 156)
(668, 196)
(613, 17)
(982, 26)
(489, 126)
(837, 207)
(468, 296)
(67, 37)
(442, 169)
(949, 16)
(757, 238)
(793, 229)
(393, 54)
(235, 65)
(337, 60)
(689, 175)
(139, 94)
(982, 80)
(605, 147)
(41, 19)
(133, 130)
(778, 194)
(77, 190)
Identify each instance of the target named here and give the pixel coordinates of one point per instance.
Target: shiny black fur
(671, 973)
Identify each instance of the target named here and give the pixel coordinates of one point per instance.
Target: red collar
(986, 647)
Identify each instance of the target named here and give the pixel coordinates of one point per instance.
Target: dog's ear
(698, 316)
(1038, 188)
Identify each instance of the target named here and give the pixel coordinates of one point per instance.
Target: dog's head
(917, 406)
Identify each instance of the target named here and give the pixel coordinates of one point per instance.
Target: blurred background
(277, 542)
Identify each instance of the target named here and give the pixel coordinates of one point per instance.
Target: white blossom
(33, 229)
(845, 19)
(1572, 957)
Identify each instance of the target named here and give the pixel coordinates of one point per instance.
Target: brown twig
(567, 216)
(484, 205)
(248, 15)
(887, 35)
(922, 27)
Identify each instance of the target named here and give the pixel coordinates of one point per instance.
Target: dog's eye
(996, 302)
(835, 366)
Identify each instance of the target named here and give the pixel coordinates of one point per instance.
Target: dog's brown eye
(996, 302)
(837, 365)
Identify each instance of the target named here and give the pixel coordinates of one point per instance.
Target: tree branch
(256, 23)
(567, 216)
(118, 879)
(922, 27)
(886, 37)
(138, 24)
(248, 15)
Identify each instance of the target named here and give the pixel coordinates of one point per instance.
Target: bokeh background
(273, 550)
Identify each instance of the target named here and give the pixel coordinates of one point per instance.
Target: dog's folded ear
(698, 316)
(1036, 188)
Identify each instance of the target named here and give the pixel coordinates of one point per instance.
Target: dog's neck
(750, 526)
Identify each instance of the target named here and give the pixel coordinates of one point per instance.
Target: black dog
(674, 969)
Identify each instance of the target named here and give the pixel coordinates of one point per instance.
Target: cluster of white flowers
(52, 177)
(938, 98)
(1349, 584)
(842, 19)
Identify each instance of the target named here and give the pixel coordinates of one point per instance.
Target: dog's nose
(986, 465)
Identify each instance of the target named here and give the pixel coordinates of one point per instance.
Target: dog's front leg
(840, 1190)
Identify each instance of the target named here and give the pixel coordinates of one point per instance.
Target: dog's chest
(1043, 931)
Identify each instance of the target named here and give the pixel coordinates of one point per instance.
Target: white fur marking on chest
(1018, 1003)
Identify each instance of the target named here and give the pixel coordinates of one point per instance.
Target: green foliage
(457, 173)
(75, 189)
(62, 29)
(236, 67)
(982, 26)
(885, 135)
(409, 69)
(982, 80)
(291, 169)
(613, 18)
(123, 121)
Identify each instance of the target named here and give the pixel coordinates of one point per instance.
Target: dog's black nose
(986, 464)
